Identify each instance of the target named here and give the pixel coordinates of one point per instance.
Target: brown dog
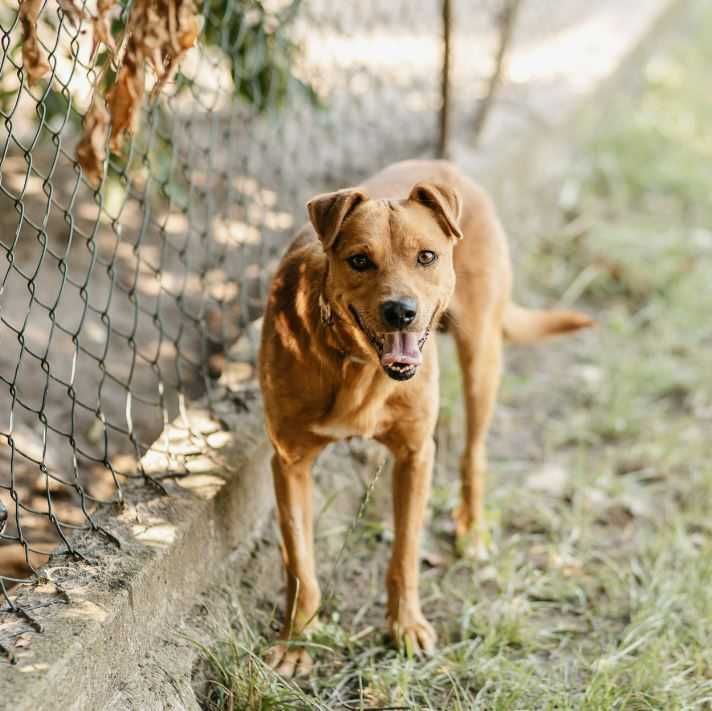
(346, 351)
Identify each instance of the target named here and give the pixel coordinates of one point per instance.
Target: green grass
(598, 594)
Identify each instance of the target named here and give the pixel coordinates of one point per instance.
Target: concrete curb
(100, 621)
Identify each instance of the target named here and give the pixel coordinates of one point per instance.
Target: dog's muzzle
(400, 352)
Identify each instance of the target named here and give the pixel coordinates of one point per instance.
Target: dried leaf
(34, 63)
(189, 25)
(23, 641)
(433, 559)
(91, 150)
(102, 26)
(159, 33)
(550, 479)
(178, 34)
(126, 97)
(74, 13)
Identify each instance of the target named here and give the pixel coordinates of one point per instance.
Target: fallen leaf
(23, 641)
(550, 479)
(433, 559)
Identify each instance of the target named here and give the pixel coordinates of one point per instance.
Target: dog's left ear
(443, 201)
(328, 212)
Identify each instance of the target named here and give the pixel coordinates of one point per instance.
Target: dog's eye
(360, 263)
(426, 257)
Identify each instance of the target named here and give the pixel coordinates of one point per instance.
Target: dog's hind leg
(479, 347)
(293, 490)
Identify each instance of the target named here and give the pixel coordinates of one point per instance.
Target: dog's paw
(472, 540)
(289, 660)
(414, 637)
(472, 545)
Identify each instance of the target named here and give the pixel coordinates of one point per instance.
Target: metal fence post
(444, 126)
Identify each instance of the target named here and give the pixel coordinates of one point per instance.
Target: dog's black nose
(399, 313)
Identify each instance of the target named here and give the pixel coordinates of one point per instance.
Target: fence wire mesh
(118, 299)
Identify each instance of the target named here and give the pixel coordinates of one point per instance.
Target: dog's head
(391, 269)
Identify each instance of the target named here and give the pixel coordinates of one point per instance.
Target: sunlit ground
(598, 592)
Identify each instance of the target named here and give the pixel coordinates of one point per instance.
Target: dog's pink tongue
(401, 347)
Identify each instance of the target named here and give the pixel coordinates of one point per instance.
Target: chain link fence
(120, 292)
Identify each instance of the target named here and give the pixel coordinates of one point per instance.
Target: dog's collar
(327, 315)
(328, 319)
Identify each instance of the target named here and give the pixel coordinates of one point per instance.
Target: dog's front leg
(411, 488)
(293, 491)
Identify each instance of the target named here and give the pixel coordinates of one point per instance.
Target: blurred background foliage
(256, 37)
(668, 134)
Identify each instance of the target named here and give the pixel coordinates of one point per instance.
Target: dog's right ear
(327, 212)
(444, 201)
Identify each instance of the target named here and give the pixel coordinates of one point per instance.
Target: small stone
(550, 479)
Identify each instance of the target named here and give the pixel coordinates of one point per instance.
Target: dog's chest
(358, 408)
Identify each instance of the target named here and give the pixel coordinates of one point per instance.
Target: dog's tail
(529, 325)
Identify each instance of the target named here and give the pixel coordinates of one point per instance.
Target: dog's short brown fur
(338, 361)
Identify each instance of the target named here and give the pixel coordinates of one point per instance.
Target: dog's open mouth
(401, 354)
(399, 351)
